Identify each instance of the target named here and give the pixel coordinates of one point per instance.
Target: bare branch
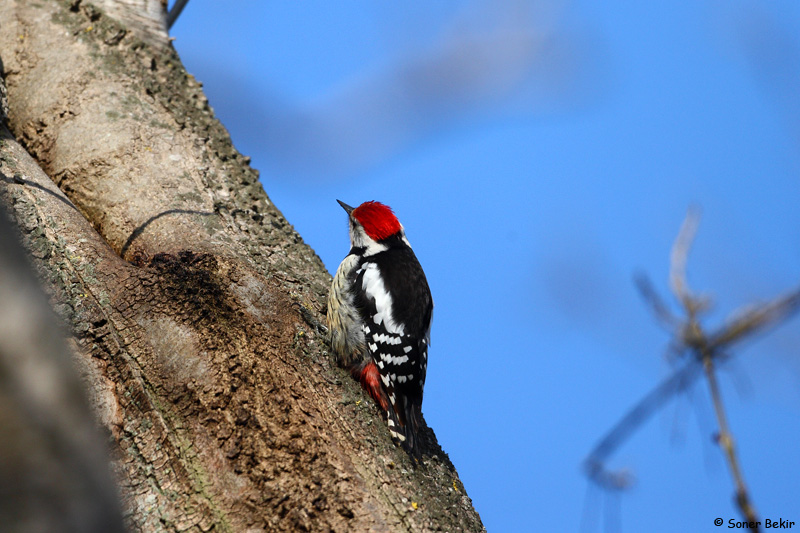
(175, 12)
(727, 444)
(622, 430)
(679, 257)
(706, 350)
(656, 304)
(758, 319)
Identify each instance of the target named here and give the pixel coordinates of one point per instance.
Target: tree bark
(53, 466)
(190, 300)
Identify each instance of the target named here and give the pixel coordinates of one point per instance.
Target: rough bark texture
(183, 288)
(54, 474)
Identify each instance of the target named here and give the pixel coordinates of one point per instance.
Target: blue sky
(539, 155)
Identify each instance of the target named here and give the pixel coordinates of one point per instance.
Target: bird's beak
(345, 206)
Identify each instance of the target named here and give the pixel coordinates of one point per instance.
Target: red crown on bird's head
(377, 219)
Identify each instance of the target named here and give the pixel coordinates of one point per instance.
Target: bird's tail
(403, 422)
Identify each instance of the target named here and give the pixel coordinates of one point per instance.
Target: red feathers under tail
(403, 428)
(370, 379)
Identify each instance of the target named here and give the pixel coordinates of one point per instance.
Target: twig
(679, 257)
(655, 399)
(693, 337)
(651, 297)
(726, 442)
(766, 316)
(706, 350)
(175, 12)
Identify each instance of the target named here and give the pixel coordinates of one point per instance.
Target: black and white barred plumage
(379, 317)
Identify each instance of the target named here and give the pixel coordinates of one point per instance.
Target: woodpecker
(379, 318)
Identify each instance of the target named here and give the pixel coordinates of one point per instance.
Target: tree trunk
(190, 299)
